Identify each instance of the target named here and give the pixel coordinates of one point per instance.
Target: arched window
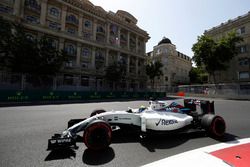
(87, 24)
(30, 37)
(54, 12)
(100, 29)
(32, 2)
(70, 49)
(72, 18)
(85, 52)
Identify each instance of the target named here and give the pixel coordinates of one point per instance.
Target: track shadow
(228, 138)
(66, 153)
(100, 157)
(168, 141)
(156, 141)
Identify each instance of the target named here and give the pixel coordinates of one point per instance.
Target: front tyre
(97, 135)
(214, 125)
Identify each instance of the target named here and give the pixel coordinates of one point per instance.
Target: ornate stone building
(92, 37)
(239, 67)
(176, 65)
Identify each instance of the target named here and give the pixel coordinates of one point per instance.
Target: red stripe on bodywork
(237, 156)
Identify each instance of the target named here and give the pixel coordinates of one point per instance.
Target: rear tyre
(95, 112)
(214, 125)
(97, 135)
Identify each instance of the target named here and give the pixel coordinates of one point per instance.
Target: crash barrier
(50, 96)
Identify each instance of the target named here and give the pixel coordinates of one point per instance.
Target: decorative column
(136, 44)
(128, 65)
(93, 58)
(108, 33)
(94, 29)
(17, 8)
(63, 18)
(144, 46)
(107, 58)
(119, 36)
(118, 56)
(80, 25)
(78, 54)
(22, 6)
(136, 66)
(61, 44)
(128, 43)
(43, 12)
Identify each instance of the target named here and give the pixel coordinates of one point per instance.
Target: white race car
(158, 117)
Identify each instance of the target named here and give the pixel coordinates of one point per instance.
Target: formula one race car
(159, 117)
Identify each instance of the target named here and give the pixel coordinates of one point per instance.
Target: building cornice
(100, 13)
(227, 25)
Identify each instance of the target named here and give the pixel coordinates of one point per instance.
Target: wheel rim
(218, 127)
(97, 136)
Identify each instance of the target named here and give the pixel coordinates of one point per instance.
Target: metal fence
(228, 89)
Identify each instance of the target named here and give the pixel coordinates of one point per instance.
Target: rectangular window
(6, 9)
(68, 79)
(87, 35)
(85, 81)
(86, 52)
(243, 62)
(54, 25)
(32, 19)
(69, 64)
(85, 65)
(71, 30)
(242, 49)
(244, 75)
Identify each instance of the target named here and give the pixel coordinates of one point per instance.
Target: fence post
(23, 81)
(54, 82)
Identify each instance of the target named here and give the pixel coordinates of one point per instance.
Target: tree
(21, 54)
(153, 69)
(197, 75)
(215, 56)
(114, 73)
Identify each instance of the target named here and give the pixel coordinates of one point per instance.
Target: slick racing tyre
(214, 125)
(97, 135)
(95, 112)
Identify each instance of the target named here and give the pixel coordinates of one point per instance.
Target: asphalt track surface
(24, 132)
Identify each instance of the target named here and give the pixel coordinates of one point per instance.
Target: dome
(165, 41)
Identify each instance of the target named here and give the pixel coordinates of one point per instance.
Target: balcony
(6, 9)
(71, 19)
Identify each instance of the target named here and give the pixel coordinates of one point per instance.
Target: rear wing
(206, 106)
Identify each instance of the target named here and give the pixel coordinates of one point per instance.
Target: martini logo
(165, 122)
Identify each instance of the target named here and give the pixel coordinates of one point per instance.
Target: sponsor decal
(124, 118)
(166, 122)
(64, 140)
(116, 118)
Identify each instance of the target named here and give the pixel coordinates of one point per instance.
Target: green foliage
(30, 56)
(215, 55)
(197, 75)
(153, 69)
(115, 73)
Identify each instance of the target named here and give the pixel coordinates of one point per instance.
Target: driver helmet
(142, 108)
